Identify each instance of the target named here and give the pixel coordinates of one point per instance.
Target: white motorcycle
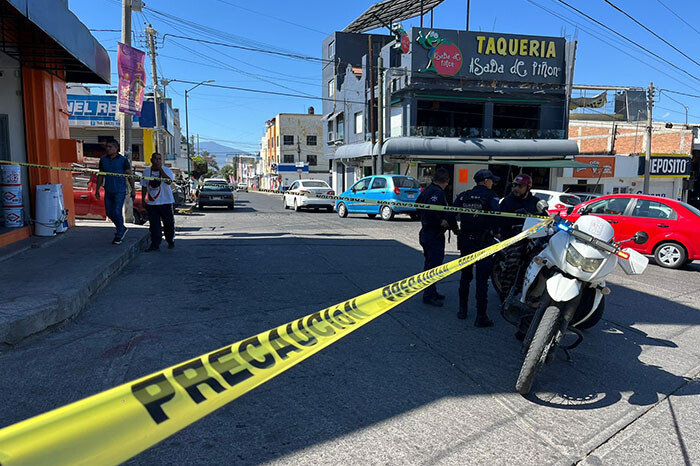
(564, 287)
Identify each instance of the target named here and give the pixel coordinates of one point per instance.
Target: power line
(627, 39)
(598, 37)
(274, 17)
(651, 32)
(678, 16)
(695, 96)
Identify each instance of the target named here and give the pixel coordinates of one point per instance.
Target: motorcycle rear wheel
(543, 342)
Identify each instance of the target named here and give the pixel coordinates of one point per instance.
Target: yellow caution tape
(115, 425)
(89, 170)
(408, 205)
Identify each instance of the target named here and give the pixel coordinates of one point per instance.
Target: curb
(48, 311)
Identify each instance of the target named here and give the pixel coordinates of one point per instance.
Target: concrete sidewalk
(45, 281)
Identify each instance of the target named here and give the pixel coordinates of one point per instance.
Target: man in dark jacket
(434, 223)
(475, 233)
(522, 201)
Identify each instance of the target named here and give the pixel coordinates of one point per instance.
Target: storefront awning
(45, 34)
(566, 163)
(414, 147)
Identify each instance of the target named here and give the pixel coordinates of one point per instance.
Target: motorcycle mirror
(640, 237)
(542, 205)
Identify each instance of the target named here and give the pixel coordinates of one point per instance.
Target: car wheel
(284, 202)
(297, 208)
(387, 213)
(670, 255)
(371, 215)
(342, 210)
(231, 207)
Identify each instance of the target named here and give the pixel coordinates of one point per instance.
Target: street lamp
(187, 125)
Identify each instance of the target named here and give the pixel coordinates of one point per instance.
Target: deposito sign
(669, 166)
(115, 425)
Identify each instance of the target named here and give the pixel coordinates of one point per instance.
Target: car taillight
(305, 192)
(421, 189)
(560, 206)
(397, 190)
(331, 193)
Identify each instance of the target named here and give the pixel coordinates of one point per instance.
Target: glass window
(378, 183)
(543, 196)
(288, 158)
(331, 49)
(294, 185)
(358, 123)
(81, 180)
(331, 136)
(288, 140)
(361, 185)
(310, 140)
(315, 184)
(653, 209)
(610, 206)
(570, 199)
(311, 159)
(405, 182)
(331, 88)
(340, 121)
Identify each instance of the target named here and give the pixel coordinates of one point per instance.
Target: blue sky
(237, 118)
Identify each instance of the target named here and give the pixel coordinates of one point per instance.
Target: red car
(672, 226)
(87, 206)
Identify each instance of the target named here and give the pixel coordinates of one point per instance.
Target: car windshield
(694, 210)
(405, 182)
(314, 184)
(570, 199)
(216, 187)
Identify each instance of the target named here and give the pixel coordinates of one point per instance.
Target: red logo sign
(405, 43)
(447, 59)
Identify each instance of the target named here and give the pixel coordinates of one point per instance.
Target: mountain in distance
(219, 151)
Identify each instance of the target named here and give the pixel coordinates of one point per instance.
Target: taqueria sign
(488, 56)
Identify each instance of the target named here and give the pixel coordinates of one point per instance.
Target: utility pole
(150, 32)
(370, 67)
(125, 118)
(380, 112)
(647, 158)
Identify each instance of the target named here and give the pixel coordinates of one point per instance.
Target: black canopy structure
(387, 12)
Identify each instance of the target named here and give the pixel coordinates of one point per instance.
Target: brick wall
(629, 138)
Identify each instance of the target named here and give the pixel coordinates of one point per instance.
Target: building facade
(458, 99)
(43, 45)
(292, 148)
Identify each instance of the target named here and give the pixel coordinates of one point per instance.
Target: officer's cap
(485, 174)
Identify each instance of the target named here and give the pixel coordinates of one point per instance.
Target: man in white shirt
(158, 199)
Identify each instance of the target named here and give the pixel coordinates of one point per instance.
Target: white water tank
(50, 213)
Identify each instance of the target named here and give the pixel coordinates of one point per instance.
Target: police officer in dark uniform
(520, 200)
(475, 233)
(434, 223)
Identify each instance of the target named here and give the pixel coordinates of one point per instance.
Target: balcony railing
(446, 131)
(527, 133)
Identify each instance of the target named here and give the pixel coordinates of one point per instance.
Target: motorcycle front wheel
(542, 343)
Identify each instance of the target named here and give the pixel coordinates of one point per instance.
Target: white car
(294, 196)
(558, 202)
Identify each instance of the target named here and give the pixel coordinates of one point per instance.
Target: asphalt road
(415, 386)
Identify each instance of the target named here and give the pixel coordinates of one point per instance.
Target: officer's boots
(463, 304)
(482, 320)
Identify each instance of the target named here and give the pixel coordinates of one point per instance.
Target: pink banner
(132, 79)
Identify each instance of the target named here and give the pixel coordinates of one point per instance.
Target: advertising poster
(132, 79)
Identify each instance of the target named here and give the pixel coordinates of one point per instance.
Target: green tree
(227, 170)
(200, 166)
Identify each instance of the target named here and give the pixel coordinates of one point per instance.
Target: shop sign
(603, 167)
(486, 56)
(667, 165)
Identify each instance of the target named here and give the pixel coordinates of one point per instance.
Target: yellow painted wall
(149, 146)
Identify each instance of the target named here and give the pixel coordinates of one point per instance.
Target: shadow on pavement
(417, 366)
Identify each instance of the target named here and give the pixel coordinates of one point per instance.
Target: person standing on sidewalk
(434, 223)
(158, 198)
(115, 187)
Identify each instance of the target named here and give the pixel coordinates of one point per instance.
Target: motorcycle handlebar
(585, 237)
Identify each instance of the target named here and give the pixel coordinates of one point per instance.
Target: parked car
(558, 202)
(381, 187)
(289, 199)
(586, 196)
(242, 187)
(672, 226)
(215, 194)
(88, 206)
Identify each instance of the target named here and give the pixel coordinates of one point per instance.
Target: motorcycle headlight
(575, 258)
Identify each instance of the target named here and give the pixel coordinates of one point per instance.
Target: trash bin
(50, 213)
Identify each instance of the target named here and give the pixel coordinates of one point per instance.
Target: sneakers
(119, 238)
(432, 301)
(483, 322)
